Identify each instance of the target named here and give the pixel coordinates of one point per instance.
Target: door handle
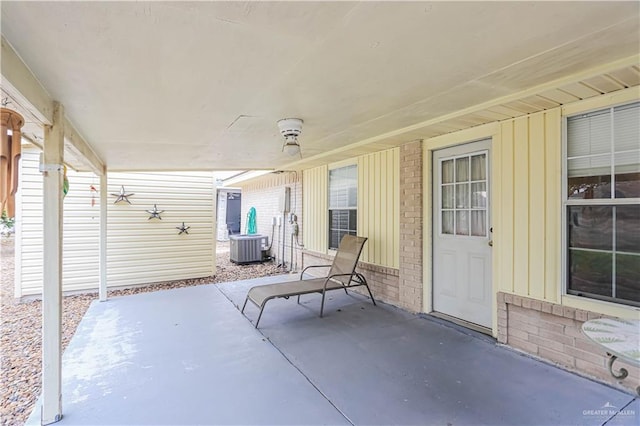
(490, 243)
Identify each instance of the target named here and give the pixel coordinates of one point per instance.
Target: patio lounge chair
(342, 275)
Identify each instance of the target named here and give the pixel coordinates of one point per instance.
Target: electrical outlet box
(285, 199)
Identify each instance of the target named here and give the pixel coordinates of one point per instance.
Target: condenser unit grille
(246, 248)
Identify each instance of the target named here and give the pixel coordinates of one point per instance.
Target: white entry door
(462, 233)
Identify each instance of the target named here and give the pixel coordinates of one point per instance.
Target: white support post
(51, 409)
(102, 293)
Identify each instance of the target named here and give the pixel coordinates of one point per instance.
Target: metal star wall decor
(122, 196)
(155, 213)
(183, 229)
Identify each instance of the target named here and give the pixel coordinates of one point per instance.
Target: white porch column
(52, 268)
(103, 237)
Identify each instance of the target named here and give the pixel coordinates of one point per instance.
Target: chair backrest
(347, 256)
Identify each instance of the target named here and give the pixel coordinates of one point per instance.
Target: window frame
(331, 168)
(566, 202)
(470, 209)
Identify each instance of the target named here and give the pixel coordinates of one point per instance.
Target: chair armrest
(338, 275)
(313, 266)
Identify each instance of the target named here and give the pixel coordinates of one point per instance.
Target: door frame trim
(463, 150)
(486, 131)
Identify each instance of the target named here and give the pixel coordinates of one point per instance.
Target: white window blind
(597, 140)
(343, 188)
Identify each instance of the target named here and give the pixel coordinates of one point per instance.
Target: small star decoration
(122, 196)
(155, 213)
(183, 229)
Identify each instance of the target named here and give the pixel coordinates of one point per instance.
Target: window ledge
(601, 306)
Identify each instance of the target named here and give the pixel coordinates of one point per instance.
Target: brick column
(411, 220)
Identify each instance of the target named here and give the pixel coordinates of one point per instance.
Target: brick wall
(553, 332)
(264, 194)
(411, 220)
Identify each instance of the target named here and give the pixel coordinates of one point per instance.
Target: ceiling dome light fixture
(290, 128)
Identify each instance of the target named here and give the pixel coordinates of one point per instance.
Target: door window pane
(464, 202)
(462, 169)
(447, 171)
(479, 223)
(479, 167)
(447, 197)
(479, 195)
(447, 222)
(462, 222)
(462, 195)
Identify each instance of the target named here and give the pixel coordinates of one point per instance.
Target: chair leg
(322, 304)
(371, 295)
(245, 304)
(260, 315)
(298, 299)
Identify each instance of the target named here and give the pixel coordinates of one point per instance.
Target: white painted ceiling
(200, 86)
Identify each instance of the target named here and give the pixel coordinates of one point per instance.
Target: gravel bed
(21, 323)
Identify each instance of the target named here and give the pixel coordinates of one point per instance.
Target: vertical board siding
(314, 196)
(537, 205)
(504, 246)
(363, 187)
(521, 206)
(527, 234)
(139, 250)
(553, 212)
(379, 206)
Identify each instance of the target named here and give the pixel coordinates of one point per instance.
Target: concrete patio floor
(187, 356)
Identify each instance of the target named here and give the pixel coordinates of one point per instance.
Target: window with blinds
(602, 204)
(343, 203)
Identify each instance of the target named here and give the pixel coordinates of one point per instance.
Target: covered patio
(188, 356)
(108, 87)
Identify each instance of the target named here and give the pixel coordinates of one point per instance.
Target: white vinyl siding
(142, 250)
(139, 250)
(80, 235)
